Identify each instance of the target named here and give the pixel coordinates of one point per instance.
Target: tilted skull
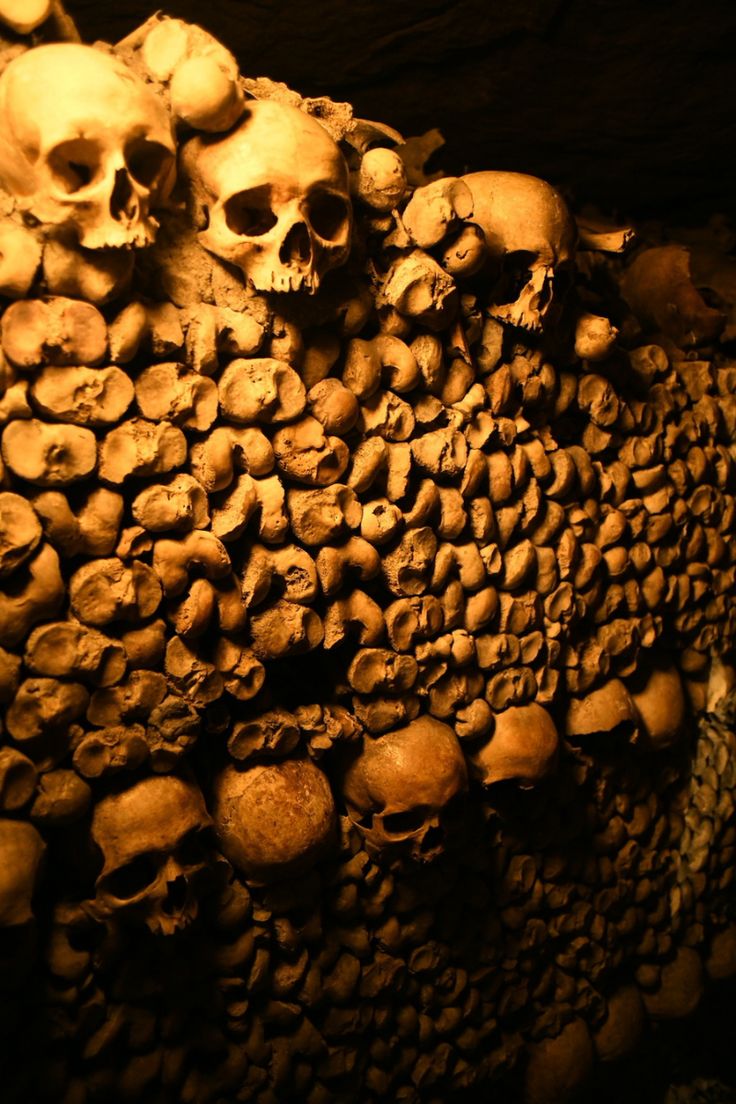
(273, 197)
(531, 234)
(21, 852)
(528, 232)
(84, 145)
(403, 789)
(524, 748)
(153, 840)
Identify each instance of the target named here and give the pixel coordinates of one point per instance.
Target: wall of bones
(366, 606)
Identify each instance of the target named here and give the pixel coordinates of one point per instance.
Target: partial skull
(21, 852)
(85, 145)
(273, 197)
(403, 790)
(153, 840)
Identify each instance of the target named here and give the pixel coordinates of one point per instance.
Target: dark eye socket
(250, 212)
(410, 820)
(75, 164)
(327, 214)
(146, 161)
(190, 849)
(130, 880)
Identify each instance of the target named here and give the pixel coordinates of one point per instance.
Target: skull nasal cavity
(176, 896)
(122, 201)
(296, 246)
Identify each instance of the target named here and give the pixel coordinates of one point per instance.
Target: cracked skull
(152, 838)
(403, 789)
(84, 145)
(272, 196)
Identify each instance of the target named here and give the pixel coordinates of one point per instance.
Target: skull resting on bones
(152, 838)
(529, 237)
(402, 788)
(85, 145)
(273, 197)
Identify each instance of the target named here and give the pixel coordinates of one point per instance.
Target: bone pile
(367, 560)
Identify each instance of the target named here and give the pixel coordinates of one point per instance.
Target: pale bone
(660, 704)
(354, 558)
(380, 670)
(98, 276)
(108, 750)
(416, 287)
(132, 700)
(333, 405)
(90, 529)
(307, 455)
(407, 568)
(273, 734)
(283, 629)
(356, 616)
(213, 461)
(243, 675)
(108, 590)
(45, 707)
(49, 455)
(18, 778)
(140, 448)
(233, 509)
(527, 228)
(176, 506)
(69, 650)
(172, 393)
(399, 787)
(323, 515)
(21, 852)
(86, 145)
(261, 389)
(152, 842)
(523, 748)
(276, 188)
(10, 667)
(174, 560)
(145, 646)
(607, 710)
(275, 820)
(381, 179)
(54, 331)
(20, 532)
(595, 337)
(384, 359)
(291, 565)
(412, 619)
(62, 798)
(83, 396)
(20, 257)
(34, 594)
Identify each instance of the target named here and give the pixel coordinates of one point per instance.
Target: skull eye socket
(410, 820)
(515, 275)
(190, 850)
(146, 161)
(249, 213)
(75, 165)
(327, 214)
(132, 878)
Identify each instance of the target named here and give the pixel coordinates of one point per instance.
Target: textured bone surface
(367, 604)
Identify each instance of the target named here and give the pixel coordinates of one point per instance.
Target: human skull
(528, 231)
(273, 197)
(152, 838)
(402, 789)
(21, 852)
(524, 748)
(531, 234)
(274, 820)
(84, 145)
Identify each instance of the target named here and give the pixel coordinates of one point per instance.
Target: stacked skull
(367, 556)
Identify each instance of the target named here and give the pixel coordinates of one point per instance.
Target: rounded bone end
(623, 1027)
(680, 989)
(205, 96)
(24, 16)
(558, 1069)
(660, 703)
(524, 747)
(274, 820)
